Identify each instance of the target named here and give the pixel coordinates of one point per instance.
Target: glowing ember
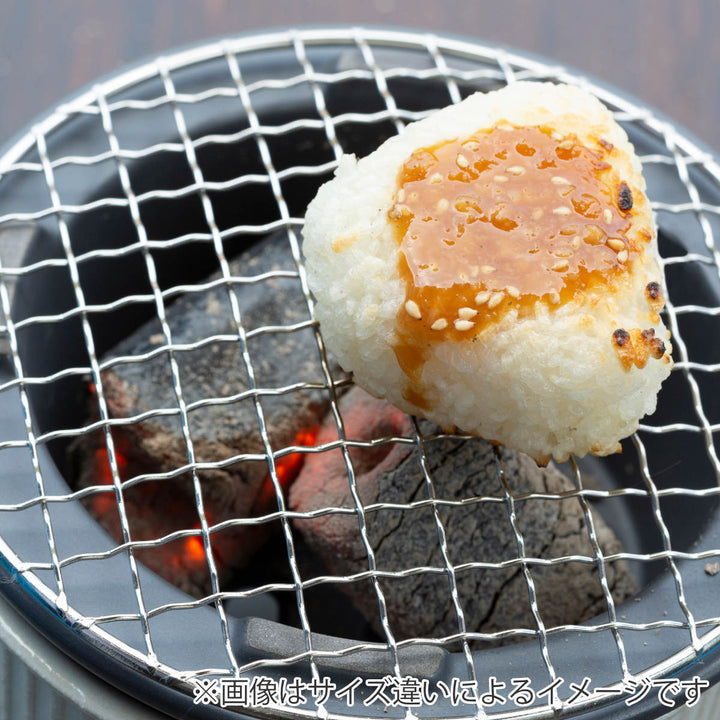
(155, 509)
(104, 503)
(287, 469)
(194, 550)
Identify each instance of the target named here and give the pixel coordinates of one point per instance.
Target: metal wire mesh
(169, 99)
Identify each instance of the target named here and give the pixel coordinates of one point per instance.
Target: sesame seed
(557, 180)
(501, 178)
(515, 170)
(607, 214)
(622, 256)
(412, 309)
(439, 324)
(562, 210)
(401, 195)
(482, 297)
(616, 244)
(554, 298)
(495, 299)
(398, 211)
(561, 266)
(471, 145)
(436, 178)
(566, 144)
(462, 161)
(569, 230)
(593, 235)
(563, 252)
(512, 291)
(537, 213)
(442, 205)
(487, 269)
(467, 313)
(576, 242)
(463, 325)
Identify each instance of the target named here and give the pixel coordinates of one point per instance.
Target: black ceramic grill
(147, 189)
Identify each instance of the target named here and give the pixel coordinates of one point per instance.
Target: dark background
(665, 52)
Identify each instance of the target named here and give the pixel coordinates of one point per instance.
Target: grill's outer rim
(95, 637)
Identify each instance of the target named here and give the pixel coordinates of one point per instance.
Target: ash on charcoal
(477, 531)
(280, 356)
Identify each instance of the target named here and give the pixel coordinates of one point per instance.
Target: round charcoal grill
(129, 196)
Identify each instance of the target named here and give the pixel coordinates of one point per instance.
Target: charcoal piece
(492, 599)
(216, 370)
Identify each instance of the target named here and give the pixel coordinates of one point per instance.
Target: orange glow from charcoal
(103, 470)
(287, 469)
(186, 556)
(194, 550)
(105, 502)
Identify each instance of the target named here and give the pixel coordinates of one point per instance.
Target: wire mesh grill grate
(162, 113)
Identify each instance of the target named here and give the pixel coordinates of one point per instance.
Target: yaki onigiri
(494, 268)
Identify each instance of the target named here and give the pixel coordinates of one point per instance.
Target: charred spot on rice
(625, 198)
(621, 337)
(655, 344)
(655, 298)
(637, 346)
(654, 291)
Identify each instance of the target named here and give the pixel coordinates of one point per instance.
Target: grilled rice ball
(494, 268)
